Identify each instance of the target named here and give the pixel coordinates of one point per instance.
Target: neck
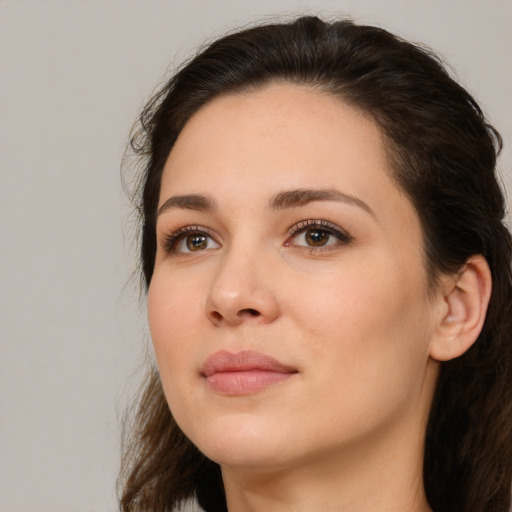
(381, 481)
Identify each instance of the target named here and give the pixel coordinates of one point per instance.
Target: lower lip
(245, 382)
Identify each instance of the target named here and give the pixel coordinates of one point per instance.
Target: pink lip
(244, 372)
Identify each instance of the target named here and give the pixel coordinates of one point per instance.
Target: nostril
(250, 311)
(217, 316)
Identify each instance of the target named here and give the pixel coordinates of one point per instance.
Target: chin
(243, 440)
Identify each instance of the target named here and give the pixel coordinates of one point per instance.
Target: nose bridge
(241, 287)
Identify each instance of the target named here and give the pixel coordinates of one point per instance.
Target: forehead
(282, 136)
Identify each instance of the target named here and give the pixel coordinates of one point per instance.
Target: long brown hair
(443, 155)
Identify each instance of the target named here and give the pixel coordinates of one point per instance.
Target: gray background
(73, 76)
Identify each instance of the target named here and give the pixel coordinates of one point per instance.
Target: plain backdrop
(73, 76)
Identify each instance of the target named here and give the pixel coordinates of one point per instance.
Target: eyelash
(171, 240)
(322, 225)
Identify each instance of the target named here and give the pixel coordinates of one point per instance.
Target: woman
(329, 282)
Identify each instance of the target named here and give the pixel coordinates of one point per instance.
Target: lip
(243, 373)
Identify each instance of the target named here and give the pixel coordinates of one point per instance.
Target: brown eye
(317, 234)
(187, 240)
(196, 242)
(317, 237)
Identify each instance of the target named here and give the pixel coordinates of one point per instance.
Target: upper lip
(224, 361)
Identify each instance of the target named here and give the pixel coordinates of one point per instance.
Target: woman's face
(289, 307)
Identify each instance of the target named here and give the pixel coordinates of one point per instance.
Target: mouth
(243, 372)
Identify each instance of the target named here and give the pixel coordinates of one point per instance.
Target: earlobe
(466, 297)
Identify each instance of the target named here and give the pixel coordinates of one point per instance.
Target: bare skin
(281, 232)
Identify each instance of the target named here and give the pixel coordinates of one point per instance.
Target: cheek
(173, 312)
(351, 295)
(369, 320)
(367, 352)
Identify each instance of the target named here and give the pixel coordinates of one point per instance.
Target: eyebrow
(303, 196)
(282, 200)
(195, 202)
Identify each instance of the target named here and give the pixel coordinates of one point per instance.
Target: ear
(465, 297)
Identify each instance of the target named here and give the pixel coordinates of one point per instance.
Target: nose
(242, 291)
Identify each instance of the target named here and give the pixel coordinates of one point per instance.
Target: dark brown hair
(443, 155)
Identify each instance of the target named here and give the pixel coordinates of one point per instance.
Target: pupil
(196, 242)
(316, 237)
